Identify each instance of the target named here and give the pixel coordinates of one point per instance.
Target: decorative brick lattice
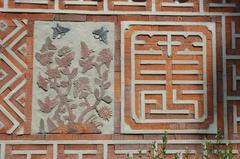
(189, 6)
(127, 6)
(29, 4)
(231, 60)
(95, 149)
(103, 79)
(223, 6)
(169, 89)
(13, 71)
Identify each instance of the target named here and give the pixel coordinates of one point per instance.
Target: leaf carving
(41, 127)
(75, 92)
(51, 125)
(42, 83)
(73, 106)
(85, 52)
(54, 84)
(83, 95)
(105, 56)
(83, 104)
(107, 99)
(65, 60)
(74, 73)
(53, 73)
(97, 81)
(44, 59)
(48, 45)
(47, 105)
(64, 50)
(96, 94)
(62, 110)
(64, 84)
(65, 71)
(70, 117)
(105, 76)
(81, 86)
(107, 85)
(86, 65)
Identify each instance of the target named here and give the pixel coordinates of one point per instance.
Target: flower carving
(66, 60)
(48, 46)
(105, 56)
(105, 113)
(85, 52)
(42, 83)
(45, 59)
(64, 50)
(76, 102)
(53, 73)
(86, 61)
(47, 105)
(81, 87)
(86, 64)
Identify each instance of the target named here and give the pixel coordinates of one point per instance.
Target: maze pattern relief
(86, 79)
(13, 76)
(128, 6)
(171, 77)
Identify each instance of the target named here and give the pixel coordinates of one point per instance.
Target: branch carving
(77, 98)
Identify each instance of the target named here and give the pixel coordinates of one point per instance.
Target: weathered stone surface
(73, 77)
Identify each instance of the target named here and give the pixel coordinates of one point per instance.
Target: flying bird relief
(101, 34)
(59, 31)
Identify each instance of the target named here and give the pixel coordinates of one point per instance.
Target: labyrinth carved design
(28, 4)
(168, 77)
(98, 149)
(13, 76)
(119, 6)
(223, 6)
(232, 66)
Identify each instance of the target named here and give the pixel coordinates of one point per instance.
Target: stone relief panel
(73, 77)
(167, 77)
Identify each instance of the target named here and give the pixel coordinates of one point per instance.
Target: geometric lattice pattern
(13, 71)
(167, 87)
(118, 6)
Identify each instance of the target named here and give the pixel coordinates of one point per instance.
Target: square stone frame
(126, 129)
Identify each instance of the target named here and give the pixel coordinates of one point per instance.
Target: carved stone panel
(73, 77)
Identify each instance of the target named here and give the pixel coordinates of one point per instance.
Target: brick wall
(103, 79)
